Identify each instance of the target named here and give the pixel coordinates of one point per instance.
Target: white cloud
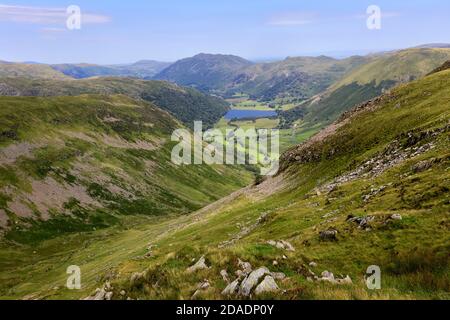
(40, 15)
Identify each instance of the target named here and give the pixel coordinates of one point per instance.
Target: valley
(86, 179)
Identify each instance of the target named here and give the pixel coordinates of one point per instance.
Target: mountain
(32, 71)
(435, 45)
(379, 74)
(298, 77)
(81, 163)
(186, 104)
(207, 72)
(369, 190)
(144, 69)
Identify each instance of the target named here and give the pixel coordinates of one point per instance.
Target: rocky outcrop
(249, 281)
(199, 265)
(104, 293)
(267, 285)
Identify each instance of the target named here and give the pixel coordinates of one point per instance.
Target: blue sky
(126, 31)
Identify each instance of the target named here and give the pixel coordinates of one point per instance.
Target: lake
(249, 114)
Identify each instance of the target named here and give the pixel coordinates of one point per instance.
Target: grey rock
(278, 275)
(224, 275)
(252, 280)
(328, 235)
(267, 285)
(199, 265)
(232, 288)
(396, 216)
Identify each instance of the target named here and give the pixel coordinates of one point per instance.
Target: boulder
(328, 235)
(224, 275)
(232, 288)
(251, 280)
(199, 265)
(137, 279)
(246, 267)
(267, 285)
(396, 216)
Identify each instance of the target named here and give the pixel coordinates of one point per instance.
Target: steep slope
(72, 164)
(367, 81)
(32, 71)
(372, 189)
(144, 69)
(207, 72)
(298, 77)
(186, 104)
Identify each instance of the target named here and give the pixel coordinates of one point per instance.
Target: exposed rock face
(267, 285)
(199, 265)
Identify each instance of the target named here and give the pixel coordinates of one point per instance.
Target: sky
(114, 31)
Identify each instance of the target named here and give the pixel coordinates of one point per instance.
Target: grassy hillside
(144, 69)
(32, 71)
(367, 81)
(296, 78)
(377, 181)
(186, 104)
(207, 72)
(72, 164)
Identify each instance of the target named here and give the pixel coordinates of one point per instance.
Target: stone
(246, 267)
(346, 280)
(396, 216)
(251, 280)
(232, 288)
(267, 285)
(98, 295)
(328, 235)
(122, 293)
(313, 264)
(224, 275)
(199, 265)
(137, 279)
(275, 262)
(278, 275)
(109, 295)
